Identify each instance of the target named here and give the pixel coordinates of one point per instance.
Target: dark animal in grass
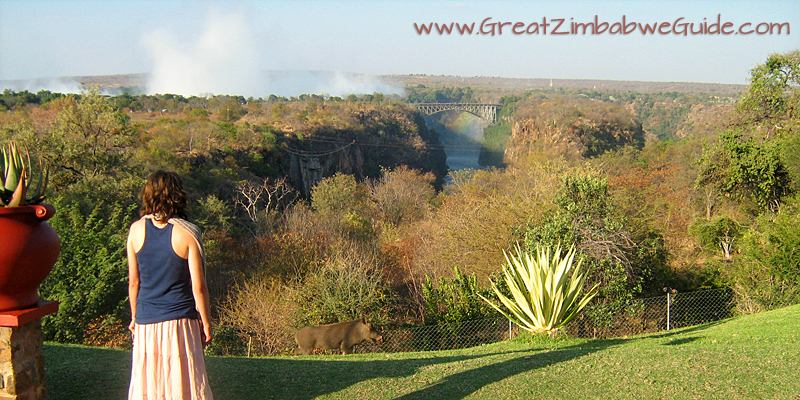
(343, 335)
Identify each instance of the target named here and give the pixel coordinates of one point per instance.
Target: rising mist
(226, 57)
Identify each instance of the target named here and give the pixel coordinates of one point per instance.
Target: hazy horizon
(189, 47)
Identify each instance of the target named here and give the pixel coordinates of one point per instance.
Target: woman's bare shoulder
(183, 235)
(137, 226)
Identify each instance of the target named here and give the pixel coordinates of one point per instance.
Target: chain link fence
(654, 314)
(647, 315)
(456, 335)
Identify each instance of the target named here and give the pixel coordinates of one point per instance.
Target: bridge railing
(487, 111)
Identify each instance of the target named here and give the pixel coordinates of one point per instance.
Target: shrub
(403, 195)
(456, 300)
(255, 316)
(340, 195)
(767, 276)
(348, 286)
(108, 331)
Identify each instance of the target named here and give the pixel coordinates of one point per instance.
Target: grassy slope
(751, 357)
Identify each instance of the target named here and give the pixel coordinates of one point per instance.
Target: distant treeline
(422, 94)
(661, 112)
(176, 103)
(10, 98)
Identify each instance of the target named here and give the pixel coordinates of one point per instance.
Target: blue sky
(222, 46)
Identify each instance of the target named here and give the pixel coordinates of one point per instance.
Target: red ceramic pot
(29, 248)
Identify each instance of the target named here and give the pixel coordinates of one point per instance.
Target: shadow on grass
(74, 372)
(681, 331)
(92, 373)
(462, 384)
(78, 372)
(309, 378)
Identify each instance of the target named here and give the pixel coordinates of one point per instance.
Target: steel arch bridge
(487, 111)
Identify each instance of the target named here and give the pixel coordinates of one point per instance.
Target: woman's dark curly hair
(163, 196)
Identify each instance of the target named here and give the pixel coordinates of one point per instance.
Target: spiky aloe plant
(545, 288)
(15, 178)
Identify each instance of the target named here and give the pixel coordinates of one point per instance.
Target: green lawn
(751, 357)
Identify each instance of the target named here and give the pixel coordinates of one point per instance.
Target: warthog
(343, 335)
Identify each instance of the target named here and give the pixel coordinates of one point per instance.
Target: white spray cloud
(225, 58)
(56, 85)
(221, 60)
(344, 84)
(294, 83)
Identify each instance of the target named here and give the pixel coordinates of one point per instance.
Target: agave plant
(545, 288)
(15, 178)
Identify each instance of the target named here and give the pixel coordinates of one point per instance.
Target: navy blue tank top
(165, 288)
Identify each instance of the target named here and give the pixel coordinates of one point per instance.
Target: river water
(461, 134)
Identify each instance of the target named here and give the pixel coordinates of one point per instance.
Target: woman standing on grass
(168, 295)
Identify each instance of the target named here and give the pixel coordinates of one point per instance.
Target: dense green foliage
(90, 279)
(772, 97)
(617, 257)
(456, 299)
(756, 165)
(10, 99)
(751, 172)
(768, 271)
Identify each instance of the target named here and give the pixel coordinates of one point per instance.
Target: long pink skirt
(168, 362)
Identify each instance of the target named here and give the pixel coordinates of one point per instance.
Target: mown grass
(750, 357)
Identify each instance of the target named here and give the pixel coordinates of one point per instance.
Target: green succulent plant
(545, 289)
(15, 178)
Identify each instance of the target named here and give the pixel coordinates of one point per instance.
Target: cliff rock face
(376, 138)
(571, 128)
(529, 134)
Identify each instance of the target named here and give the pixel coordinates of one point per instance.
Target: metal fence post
(668, 309)
(509, 328)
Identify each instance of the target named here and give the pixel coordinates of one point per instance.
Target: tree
(772, 106)
(89, 140)
(745, 169)
(764, 169)
(767, 273)
(718, 234)
(348, 285)
(340, 194)
(773, 97)
(262, 201)
(403, 195)
(618, 256)
(345, 205)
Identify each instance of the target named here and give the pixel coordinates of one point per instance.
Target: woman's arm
(199, 287)
(133, 274)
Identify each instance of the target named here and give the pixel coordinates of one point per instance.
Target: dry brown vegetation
(377, 221)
